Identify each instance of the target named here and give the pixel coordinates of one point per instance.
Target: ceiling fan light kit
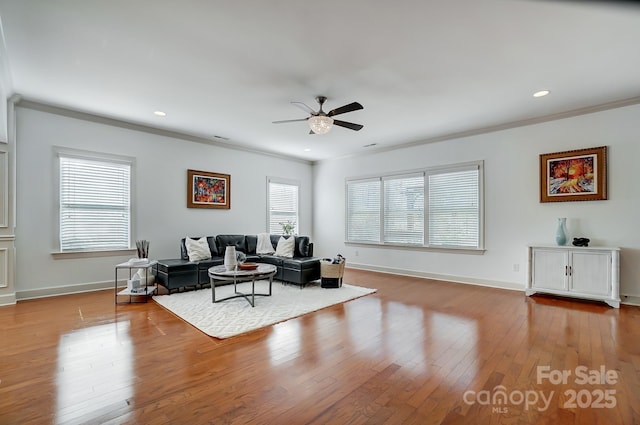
(322, 122)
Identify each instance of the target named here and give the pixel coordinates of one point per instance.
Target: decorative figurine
(580, 242)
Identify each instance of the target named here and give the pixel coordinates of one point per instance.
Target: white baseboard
(630, 300)
(625, 299)
(7, 299)
(512, 286)
(10, 299)
(63, 290)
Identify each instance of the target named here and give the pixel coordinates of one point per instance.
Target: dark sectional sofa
(303, 268)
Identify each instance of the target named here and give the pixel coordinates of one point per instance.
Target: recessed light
(307, 150)
(541, 93)
(160, 113)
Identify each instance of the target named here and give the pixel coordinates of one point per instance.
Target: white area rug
(236, 316)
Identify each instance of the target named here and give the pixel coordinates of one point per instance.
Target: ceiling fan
(321, 122)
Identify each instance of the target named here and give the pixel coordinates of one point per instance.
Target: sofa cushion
(213, 246)
(211, 262)
(303, 247)
(300, 263)
(271, 259)
(176, 274)
(224, 241)
(276, 261)
(176, 265)
(197, 249)
(251, 242)
(253, 258)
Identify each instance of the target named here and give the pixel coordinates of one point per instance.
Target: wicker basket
(331, 274)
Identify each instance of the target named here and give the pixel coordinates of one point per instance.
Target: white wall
(514, 217)
(160, 195)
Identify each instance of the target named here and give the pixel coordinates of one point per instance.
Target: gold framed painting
(208, 190)
(577, 175)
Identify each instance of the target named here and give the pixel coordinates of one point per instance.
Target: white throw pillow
(286, 247)
(197, 249)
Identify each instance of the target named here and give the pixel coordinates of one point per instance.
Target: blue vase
(561, 232)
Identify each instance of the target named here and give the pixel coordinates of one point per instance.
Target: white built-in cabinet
(580, 272)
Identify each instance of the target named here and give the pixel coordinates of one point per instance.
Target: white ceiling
(423, 69)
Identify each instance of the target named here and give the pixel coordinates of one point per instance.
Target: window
(438, 207)
(454, 208)
(363, 211)
(282, 208)
(95, 203)
(404, 209)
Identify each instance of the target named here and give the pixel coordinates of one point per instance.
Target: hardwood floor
(416, 352)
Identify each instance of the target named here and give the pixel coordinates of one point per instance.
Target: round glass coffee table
(220, 274)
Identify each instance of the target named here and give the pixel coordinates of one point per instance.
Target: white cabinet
(581, 272)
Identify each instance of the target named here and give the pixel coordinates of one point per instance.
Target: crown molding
(37, 105)
(499, 127)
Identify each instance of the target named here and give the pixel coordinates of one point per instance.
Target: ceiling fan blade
(348, 125)
(346, 108)
(304, 107)
(284, 121)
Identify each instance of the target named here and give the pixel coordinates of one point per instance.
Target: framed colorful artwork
(208, 190)
(578, 175)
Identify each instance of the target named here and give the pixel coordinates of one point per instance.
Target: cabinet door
(549, 269)
(591, 272)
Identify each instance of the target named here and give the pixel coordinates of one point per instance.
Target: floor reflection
(284, 342)
(399, 331)
(368, 310)
(459, 337)
(403, 327)
(95, 372)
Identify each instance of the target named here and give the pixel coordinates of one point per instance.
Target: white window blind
(438, 207)
(454, 209)
(404, 209)
(363, 211)
(95, 207)
(283, 206)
